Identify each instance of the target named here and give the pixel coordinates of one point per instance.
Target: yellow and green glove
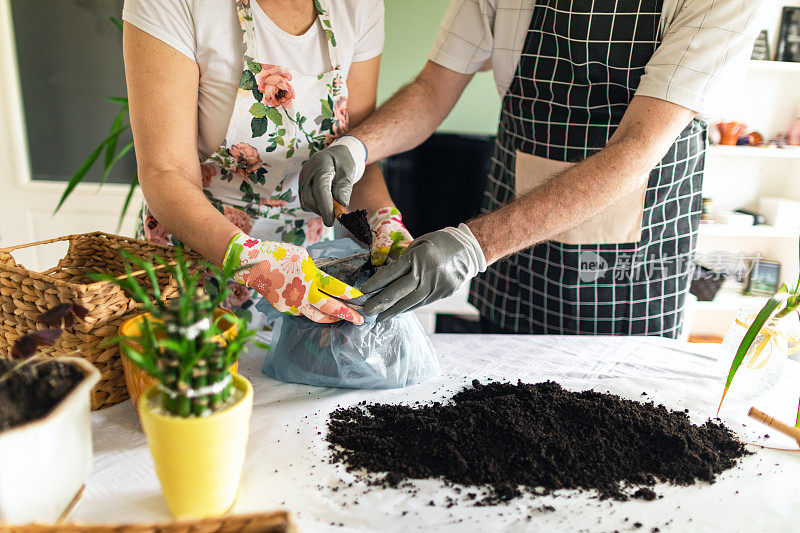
(391, 236)
(287, 277)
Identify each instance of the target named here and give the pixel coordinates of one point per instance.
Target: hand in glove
(288, 278)
(331, 173)
(433, 267)
(391, 236)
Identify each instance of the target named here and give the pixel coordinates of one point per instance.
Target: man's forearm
(646, 132)
(412, 114)
(562, 203)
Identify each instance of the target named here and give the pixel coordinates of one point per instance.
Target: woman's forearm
(182, 209)
(370, 192)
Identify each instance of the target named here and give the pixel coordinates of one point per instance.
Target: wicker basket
(274, 522)
(25, 294)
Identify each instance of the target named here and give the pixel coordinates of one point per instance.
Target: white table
(287, 456)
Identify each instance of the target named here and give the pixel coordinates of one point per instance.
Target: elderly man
(594, 194)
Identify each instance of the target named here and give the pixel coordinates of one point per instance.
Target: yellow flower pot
(137, 380)
(199, 460)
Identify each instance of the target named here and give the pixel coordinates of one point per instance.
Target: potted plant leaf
(45, 429)
(768, 336)
(196, 416)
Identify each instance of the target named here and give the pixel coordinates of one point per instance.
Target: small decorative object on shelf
(789, 37)
(761, 47)
(730, 132)
(196, 416)
(708, 207)
(793, 135)
(764, 278)
(706, 283)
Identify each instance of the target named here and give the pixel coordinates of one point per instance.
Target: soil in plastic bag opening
(33, 390)
(533, 438)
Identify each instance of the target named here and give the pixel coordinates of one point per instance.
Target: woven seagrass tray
(26, 294)
(273, 522)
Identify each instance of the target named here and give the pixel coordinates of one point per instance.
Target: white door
(27, 204)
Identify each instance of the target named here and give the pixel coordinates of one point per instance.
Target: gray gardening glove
(433, 267)
(331, 173)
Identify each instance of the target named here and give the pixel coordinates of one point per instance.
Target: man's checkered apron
(579, 70)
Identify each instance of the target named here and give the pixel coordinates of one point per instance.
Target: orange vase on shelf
(730, 132)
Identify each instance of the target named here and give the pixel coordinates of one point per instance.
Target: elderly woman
(227, 99)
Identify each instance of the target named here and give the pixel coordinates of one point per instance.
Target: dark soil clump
(534, 437)
(645, 493)
(356, 223)
(34, 390)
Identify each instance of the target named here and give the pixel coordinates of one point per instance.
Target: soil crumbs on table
(532, 438)
(33, 390)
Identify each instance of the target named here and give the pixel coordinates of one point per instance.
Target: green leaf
(257, 94)
(121, 100)
(111, 147)
(318, 7)
(327, 124)
(132, 189)
(258, 110)
(271, 147)
(254, 67)
(120, 155)
(327, 111)
(84, 168)
(751, 334)
(275, 116)
(259, 126)
(116, 23)
(247, 81)
(282, 132)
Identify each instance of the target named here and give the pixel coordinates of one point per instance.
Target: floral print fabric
(287, 277)
(391, 236)
(279, 120)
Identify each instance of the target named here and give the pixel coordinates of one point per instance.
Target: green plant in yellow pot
(196, 417)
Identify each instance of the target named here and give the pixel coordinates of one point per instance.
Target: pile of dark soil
(535, 438)
(34, 390)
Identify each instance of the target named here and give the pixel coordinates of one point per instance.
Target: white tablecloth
(287, 463)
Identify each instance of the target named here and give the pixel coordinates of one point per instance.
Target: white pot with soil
(46, 446)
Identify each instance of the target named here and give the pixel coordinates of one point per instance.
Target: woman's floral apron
(279, 120)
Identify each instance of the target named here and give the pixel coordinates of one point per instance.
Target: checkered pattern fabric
(578, 72)
(704, 44)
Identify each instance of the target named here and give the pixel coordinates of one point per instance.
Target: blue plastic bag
(376, 355)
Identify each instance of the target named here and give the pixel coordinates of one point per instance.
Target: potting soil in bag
(376, 355)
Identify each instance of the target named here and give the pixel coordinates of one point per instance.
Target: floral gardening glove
(287, 277)
(391, 236)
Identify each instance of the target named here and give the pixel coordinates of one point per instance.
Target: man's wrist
(473, 247)
(358, 151)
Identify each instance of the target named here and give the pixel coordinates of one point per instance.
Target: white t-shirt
(208, 32)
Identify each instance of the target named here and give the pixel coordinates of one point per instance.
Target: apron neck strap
(249, 48)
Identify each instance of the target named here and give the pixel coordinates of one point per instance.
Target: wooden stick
(770, 421)
(338, 209)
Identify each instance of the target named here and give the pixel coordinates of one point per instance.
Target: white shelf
(789, 152)
(728, 301)
(774, 66)
(763, 231)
